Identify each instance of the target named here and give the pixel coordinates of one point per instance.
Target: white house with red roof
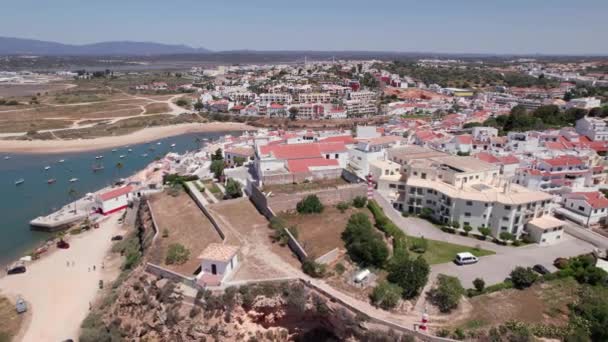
(462, 144)
(593, 128)
(508, 163)
(585, 208)
(558, 175)
(114, 200)
(276, 110)
(218, 262)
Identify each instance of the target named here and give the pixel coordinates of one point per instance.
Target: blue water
(20, 204)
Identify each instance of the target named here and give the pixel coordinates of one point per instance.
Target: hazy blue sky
(501, 26)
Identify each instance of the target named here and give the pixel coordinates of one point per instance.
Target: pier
(70, 213)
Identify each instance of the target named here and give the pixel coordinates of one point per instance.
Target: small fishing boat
(129, 150)
(114, 150)
(122, 156)
(62, 160)
(19, 181)
(46, 168)
(172, 145)
(73, 180)
(99, 157)
(158, 143)
(51, 181)
(7, 157)
(144, 155)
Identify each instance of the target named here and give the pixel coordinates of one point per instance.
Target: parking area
(495, 268)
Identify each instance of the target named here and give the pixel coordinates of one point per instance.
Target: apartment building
(359, 108)
(363, 96)
(584, 103)
(468, 191)
(280, 98)
(367, 151)
(314, 98)
(309, 111)
(592, 128)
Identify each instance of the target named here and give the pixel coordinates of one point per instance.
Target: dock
(70, 213)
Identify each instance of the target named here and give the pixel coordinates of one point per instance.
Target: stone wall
(288, 178)
(330, 196)
(198, 199)
(295, 246)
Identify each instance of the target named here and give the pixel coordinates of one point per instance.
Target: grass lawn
(439, 252)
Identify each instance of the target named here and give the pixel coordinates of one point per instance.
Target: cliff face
(151, 309)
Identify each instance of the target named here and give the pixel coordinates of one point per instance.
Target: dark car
(117, 238)
(541, 269)
(16, 268)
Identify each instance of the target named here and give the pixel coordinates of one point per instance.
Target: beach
(58, 295)
(141, 136)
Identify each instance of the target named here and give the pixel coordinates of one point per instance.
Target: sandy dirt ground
(141, 136)
(59, 295)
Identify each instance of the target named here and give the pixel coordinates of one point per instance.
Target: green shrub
(485, 231)
(389, 228)
(313, 269)
(343, 206)
(448, 230)
(419, 245)
(506, 236)
(523, 277)
(386, 295)
(467, 229)
(233, 189)
(410, 274)
(177, 254)
(479, 284)
(339, 268)
(359, 201)
(446, 295)
(310, 205)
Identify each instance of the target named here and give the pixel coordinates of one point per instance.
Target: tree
(467, 229)
(386, 295)
(217, 155)
(446, 295)
(293, 112)
(364, 245)
(177, 254)
(506, 236)
(239, 161)
(313, 268)
(485, 231)
(410, 274)
(592, 309)
(359, 201)
(309, 205)
(479, 284)
(182, 102)
(198, 105)
(233, 189)
(523, 277)
(217, 167)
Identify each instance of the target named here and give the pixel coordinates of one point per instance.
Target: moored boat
(99, 157)
(19, 181)
(46, 168)
(51, 181)
(73, 180)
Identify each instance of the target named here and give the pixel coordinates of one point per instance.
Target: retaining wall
(199, 200)
(329, 196)
(295, 246)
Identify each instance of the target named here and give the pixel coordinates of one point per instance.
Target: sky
(448, 26)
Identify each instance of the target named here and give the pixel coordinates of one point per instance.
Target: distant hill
(18, 46)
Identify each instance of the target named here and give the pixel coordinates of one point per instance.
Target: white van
(465, 258)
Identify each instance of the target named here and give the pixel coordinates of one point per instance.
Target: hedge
(389, 228)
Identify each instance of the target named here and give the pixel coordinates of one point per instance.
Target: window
(423, 175)
(327, 156)
(505, 218)
(466, 223)
(507, 207)
(581, 208)
(429, 191)
(469, 203)
(504, 228)
(392, 186)
(337, 156)
(467, 214)
(401, 187)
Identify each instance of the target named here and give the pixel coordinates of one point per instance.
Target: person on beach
(93, 267)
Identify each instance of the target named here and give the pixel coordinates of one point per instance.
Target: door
(213, 269)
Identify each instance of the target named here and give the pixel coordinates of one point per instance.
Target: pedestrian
(102, 266)
(67, 263)
(93, 267)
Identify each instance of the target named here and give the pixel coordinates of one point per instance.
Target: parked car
(116, 237)
(16, 268)
(541, 269)
(20, 305)
(465, 258)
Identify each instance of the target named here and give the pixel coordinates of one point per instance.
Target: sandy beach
(59, 295)
(141, 136)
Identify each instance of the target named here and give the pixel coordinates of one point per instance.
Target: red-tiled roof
(304, 165)
(563, 161)
(595, 199)
(464, 139)
(346, 139)
(331, 147)
(276, 106)
(487, 157)
(115, 193)
(510, 159)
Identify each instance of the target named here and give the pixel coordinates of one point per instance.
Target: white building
(585, 208)
(218, 261)
(359, 108)
(314, 98)
(280, 98)
(114, 200)
(363, 96)
(592, 128)
(470, 192)
(545, 230)
(584, 103)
